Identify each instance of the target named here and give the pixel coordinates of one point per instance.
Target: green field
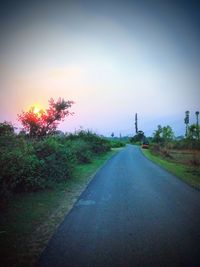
(30, 219)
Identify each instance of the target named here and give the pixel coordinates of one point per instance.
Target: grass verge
(29, 220)
(184, 172)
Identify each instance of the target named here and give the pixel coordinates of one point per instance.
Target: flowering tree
(45, 122)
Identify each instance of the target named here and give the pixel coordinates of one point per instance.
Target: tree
(157, 134)
(193, 132)
(163, 134)
(139, 137)
(6, 128)
(167, 133)
(45, 122)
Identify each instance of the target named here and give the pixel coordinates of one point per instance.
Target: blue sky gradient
(113, 58)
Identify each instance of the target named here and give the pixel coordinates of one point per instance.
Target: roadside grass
(185, 172)
(186, 156)
(29, 220)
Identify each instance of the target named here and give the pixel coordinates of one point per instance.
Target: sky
(113, 58)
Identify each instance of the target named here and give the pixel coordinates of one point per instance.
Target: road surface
(133, 213)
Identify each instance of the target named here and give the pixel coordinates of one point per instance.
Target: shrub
(18, 165)
(57, 160)
(82, 151)
(117, 143)
(6, 128)
(29, 166)
(100, 145)
(33, 164)
(97, 144)
(31, 178)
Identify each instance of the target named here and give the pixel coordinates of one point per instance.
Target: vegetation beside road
(180, 156)
(30, 219)
(29, 165)
(184, 163)
(41, 176)
(42, 172)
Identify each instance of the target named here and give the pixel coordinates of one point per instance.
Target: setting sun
(37, 109)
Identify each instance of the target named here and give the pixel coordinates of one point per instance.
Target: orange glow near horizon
(37, 109)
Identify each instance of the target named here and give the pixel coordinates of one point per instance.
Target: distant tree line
(164, 134)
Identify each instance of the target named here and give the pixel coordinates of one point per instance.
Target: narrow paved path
(133, 213)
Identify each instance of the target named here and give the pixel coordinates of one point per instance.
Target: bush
(58, 160)
(100, 145)
(30, 165)
(117, 143)
(97, 144)
(6, 128)
(19, 166)
(31, 178)
(82, 151)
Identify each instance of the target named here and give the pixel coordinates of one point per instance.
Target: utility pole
(136, 123)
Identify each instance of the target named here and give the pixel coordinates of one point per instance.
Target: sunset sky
(113, 58)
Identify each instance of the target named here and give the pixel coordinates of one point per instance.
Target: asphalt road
(133, 213)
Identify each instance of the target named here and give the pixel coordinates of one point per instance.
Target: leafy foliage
(43, 123)
(97, 144)
(193, 132)
(57, 160)
(163, 134)
(6, 128)
(138, 138)
(18, 165)
(35, 164)
(117, 143)
(82, 150)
